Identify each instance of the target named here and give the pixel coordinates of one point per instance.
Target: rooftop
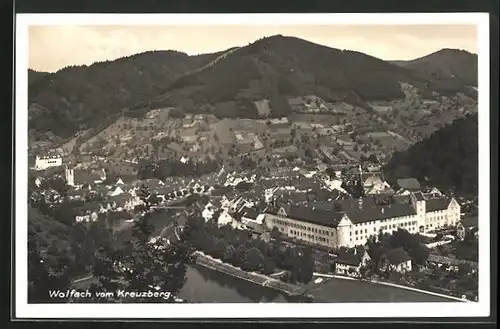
(470, 221)
(350, 257)
(310, 215)
(436, 204)
(419, 196)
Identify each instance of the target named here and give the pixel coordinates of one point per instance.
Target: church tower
(70, 176)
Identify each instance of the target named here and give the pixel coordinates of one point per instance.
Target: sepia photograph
(293, 165)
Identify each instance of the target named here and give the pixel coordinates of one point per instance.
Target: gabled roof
(401, 198)
(119, 199)
(86, 177)
(409, 184)
(349, 257)
(250, 213)
(450, 261)
(313, 216)
(470, 221)
(419, 196)
(366, 214)
(397, 256)
(436, 204)
(372, 179)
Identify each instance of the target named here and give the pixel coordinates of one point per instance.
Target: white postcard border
(250, 310)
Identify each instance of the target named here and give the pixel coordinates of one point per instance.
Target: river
(204, 285)
(207, 286)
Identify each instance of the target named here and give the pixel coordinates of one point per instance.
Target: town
(355, 223)
(282, 170)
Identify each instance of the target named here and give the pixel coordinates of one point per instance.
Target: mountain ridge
(445, 64)
(78, 97)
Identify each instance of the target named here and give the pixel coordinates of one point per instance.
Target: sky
(54, 47)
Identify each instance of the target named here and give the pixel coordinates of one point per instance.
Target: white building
(92, 217)
(349, 262)
(116, 191)
(375, 185)
(208, 212)
(354, 224)
(226, 219)
(42, 163)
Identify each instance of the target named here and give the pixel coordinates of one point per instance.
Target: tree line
(59, 253)
(238, 248)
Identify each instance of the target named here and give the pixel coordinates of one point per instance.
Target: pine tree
(44, 275)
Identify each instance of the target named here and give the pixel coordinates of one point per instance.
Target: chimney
(355, 251)
(382, 210)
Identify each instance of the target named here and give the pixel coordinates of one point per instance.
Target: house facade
(349, 261)
(88, 217)
(396, 260)
(466, 225)
(354, 224)
(44, 162)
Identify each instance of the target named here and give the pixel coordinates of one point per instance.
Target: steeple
(69, 175)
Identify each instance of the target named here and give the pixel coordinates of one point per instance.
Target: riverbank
(257, 278)
(390, 284)
(331, 290)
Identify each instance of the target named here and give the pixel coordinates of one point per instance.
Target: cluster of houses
(100, 195)
(302, 204)
(349, 261)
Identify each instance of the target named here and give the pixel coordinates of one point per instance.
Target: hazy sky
(54, 47)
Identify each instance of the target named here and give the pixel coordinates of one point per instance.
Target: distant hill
(225, 83)
(286, 66)
(34, 76)
(447, 159)
(446, 64)
(79, 97)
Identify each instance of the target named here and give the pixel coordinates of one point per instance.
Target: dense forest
(446, 64)
(238, 248)
(61, 250)
(287, 66)
(80, 97)
(83, 95)
(34, 76)
(447, 159)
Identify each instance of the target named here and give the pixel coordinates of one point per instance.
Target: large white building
(357, 220)
(44, 162)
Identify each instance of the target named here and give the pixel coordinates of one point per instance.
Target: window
(356, 232)
(366, 230)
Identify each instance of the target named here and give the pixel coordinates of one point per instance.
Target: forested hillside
(446, 65)
(225, 83)
(447, 159)
(80, 97)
